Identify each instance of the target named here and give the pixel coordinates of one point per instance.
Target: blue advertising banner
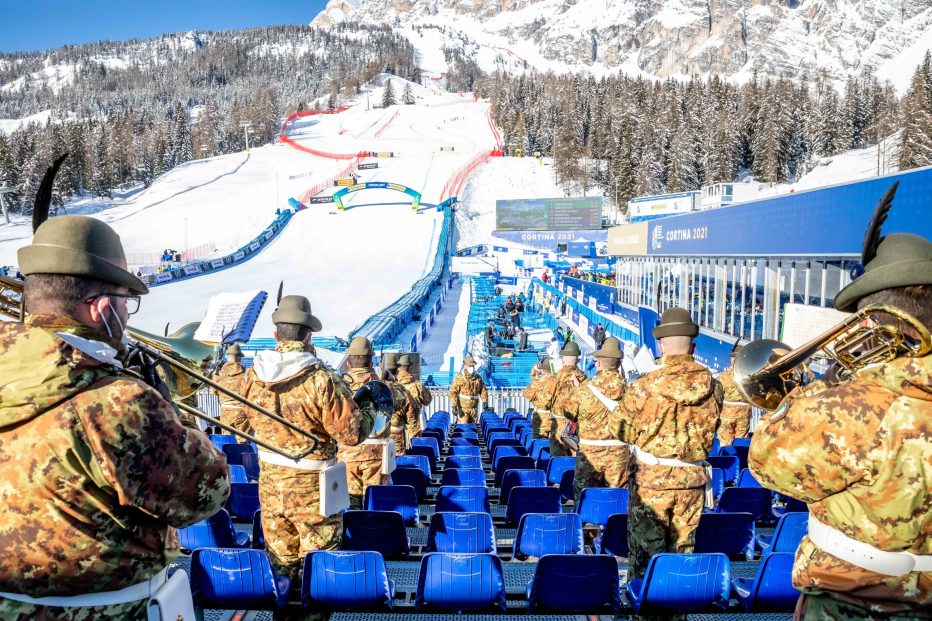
(575, 316)
(548, 240)
(822, 222)
(585, 298)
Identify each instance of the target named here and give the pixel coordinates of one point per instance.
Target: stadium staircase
(480, 522)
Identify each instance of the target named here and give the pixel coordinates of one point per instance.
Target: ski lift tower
(5, 190)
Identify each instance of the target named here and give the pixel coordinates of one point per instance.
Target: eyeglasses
(132, 301)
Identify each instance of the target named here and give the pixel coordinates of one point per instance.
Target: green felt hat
(902, 260)
(611, 348)
(296, 309)
(571, 349)
(79, 246)
(676, 322)
(391, 360)
(234, 350)
(469, 361)
(360, 346)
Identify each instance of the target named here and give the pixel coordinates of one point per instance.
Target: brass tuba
(767, 370)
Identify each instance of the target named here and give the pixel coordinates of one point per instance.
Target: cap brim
(675, 329)
(43, 259)
(299, 318)
(602, 353)
(899, 274)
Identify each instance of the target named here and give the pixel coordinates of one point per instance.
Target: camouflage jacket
(294, 384)
(537, 380)
(731, 409)
(361, 452)
(595, 419)
(230, 377)
(555, 389)
(672, 412)
(414, 386)
(468, 385)
(860, 454)
(95, 467)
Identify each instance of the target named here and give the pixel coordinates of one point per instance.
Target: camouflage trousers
(600, 466)
(291, 520)
(361, 474)
(15, 611)
(413, 427)
(557, 448)
(398, 437)
(540, 424)
(469, 413)
(661, 521)
(733, 427)
(824, 608)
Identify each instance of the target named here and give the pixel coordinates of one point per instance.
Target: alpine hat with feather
(296, 309)
(895, 260)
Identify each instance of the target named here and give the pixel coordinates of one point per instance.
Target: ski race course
(349, 263)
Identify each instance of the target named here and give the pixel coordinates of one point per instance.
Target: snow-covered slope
(666, 38)
(350, 264)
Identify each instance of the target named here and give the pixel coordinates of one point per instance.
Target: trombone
(181, 359)
(767, 370)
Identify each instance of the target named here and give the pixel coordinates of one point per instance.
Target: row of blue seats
(673, 583)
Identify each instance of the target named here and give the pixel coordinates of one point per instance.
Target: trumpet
(767, 370)
(184, 365)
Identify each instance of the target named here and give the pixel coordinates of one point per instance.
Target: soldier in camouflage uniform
(539, 417)
(468, 393)
(406, 407)
(553, 394)
(602, 459)
(96, 470)
(860, 455)
(670, 416)
(736, 411)
(409, 379)
(365, 463)
(294, 384)
(231, 375)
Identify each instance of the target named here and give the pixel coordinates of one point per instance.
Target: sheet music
(224, 312)
(644, 361)
(802, 323)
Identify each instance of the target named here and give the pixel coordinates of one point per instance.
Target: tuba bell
(767, 370)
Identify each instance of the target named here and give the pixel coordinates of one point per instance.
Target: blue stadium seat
(543, 461)
(215, 532)
(511, 415)
(597, 503)
(574, 583)
(346, 581)
(753, 500)
(557, 466)
(251, 464)
(234, 452)
(413, 477)
(436, 434)
(424, 451)
(528, 441)
(258, 537)
(490, 428)
(771, 590)
(464, 442)
(244, 500)
(465, 435)
(715, 451)
(548, 533)
(731, 534)
(511, 462)
(523, 500)
(219, 440)
(737, 450)
(463, 477)
(567, 493)
(614, 537)
(790, 530)
(461, 533)
(463, 461)
(506, 451)
(400, 498)
(421, 462)
(729, 465)
(741, 441)
(474, 451)
(466, 427)
(461, 498)
(460, 582)
(537, 446)
(430, 442)
(513, 478)
(680, 583)
(746, 479)
(238, 474)
(506, 439)
(524, 435)
(236, 579)
(375, 531)
(718, 483)
(792, 506)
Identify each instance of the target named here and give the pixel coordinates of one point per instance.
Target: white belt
(652, 460)
(865, 555)
(584, 442)
(231, 407)
(539, 411)
(737, 403)
(469, 397)
(379, 441)
(394, 428)
(301, 464)
(134, 593)
(610, 404)
(556, 416)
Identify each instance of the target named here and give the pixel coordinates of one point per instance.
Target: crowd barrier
(320, 186)
(240, 255)
(455, 183)
(391, 119)
(499, 400)
(300, 147)
(153, 259)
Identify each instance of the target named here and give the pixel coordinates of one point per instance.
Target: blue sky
(27, 25)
